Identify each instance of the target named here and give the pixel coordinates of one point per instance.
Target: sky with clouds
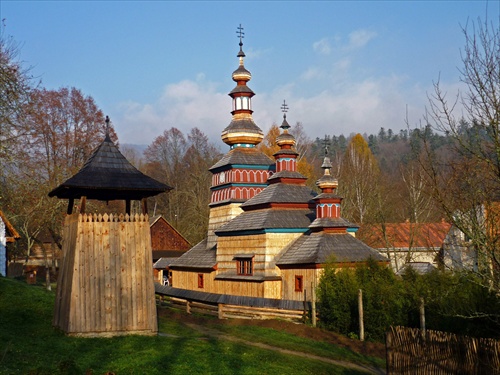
(342, 67)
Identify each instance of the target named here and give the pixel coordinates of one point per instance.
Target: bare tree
(466, 183)
(60, 130)
(16, 84)
(183, 164)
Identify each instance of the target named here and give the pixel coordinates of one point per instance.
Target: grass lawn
(286, 341)
(30, 345)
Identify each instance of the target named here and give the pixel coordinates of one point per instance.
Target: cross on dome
(241, 34)
(326, 144)
(284, 108)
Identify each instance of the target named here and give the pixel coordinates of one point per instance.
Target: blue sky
(342, 67)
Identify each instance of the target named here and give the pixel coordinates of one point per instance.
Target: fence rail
(414, 351)
(226, 311)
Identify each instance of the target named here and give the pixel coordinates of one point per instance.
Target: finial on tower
(327, 164)
(107, 126)
(326, 144)
(284, 108)
(241, 35)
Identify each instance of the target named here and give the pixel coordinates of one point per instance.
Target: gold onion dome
(327, 182)
(241, 74)
(285, 139)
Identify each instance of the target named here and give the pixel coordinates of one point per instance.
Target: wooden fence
(414, 351)
(230, 307)
(223, 311)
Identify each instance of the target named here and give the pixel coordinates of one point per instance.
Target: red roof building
(406, 243)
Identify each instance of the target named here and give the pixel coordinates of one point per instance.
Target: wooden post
(360, 309)
(83, 202)
(304, 314)
(71, 203)
(188, 307)
(127, 206)
(313, 305)
(422, 315)
(144, 205)
(221, 311)
(389, 351)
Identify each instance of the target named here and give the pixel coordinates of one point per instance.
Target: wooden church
(105, 284)
(269, 235)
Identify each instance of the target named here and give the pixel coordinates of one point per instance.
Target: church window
(244, 265)
(299, 283)
(200, 281)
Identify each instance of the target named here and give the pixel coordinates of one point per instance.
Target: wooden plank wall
(410, 351)
(106, 286)
(310, 280)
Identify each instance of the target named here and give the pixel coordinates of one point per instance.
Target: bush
(454, 302)
(337, 293)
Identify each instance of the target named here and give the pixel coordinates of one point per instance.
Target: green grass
(284, 340)
(30, 345)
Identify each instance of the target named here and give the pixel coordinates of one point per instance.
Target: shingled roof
(281, 193)
(243, 156)
(404, 235)
(108, 175)
(197, 257)
(322, 247)
(268, 219)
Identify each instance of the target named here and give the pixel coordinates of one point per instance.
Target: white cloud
(359, 38)
(322, 46)
(358, 107)
(184, 105)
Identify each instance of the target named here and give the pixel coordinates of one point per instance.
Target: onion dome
(241, 74)
(286, 156)
(242, 131)
(285, 140)
(327, 183)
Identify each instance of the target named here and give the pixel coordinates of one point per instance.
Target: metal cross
(326, 143)
(284, 107)
(240, 33)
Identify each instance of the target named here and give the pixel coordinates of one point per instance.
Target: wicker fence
(412, 351)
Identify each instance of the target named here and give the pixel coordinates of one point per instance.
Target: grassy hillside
(30, 345)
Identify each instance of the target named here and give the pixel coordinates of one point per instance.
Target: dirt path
(220, 335)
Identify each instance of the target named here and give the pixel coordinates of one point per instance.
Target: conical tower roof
(107, 175)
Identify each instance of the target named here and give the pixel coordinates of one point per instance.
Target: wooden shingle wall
(264, 247)
(105, 286)
(165, 237)
(219, 216)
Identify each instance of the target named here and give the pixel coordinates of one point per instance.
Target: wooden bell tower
(105, 285)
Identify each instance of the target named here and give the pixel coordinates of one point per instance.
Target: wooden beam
(71, 202)
(83, 203)
(144, 205)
